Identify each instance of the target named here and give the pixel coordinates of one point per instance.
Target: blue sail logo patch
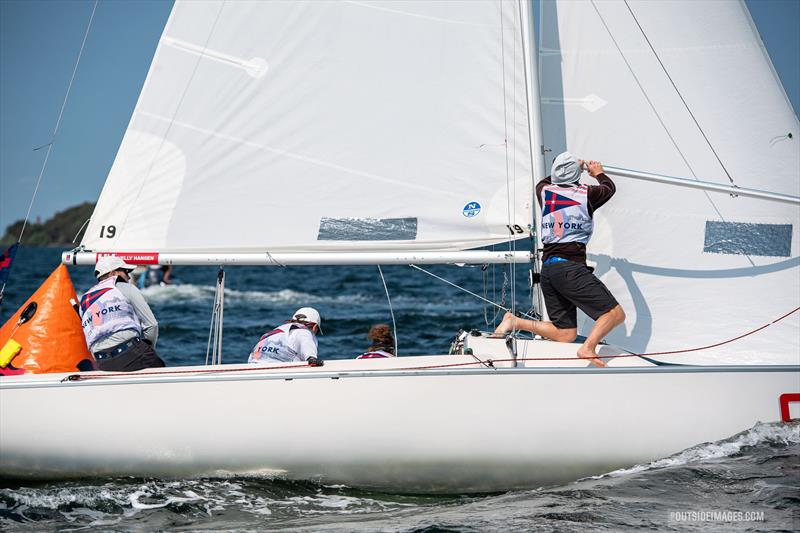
(471, 209)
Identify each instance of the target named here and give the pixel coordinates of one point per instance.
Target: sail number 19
(516, 228)
(108, 232)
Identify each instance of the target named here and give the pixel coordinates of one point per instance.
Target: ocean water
(749, 481)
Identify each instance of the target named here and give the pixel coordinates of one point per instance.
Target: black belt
(116, 350)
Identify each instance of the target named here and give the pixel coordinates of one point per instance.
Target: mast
(531, 65)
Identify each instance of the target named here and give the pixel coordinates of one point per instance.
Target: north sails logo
(471, 209)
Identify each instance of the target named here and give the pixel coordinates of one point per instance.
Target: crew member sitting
(382, 343)
(121, 330)
(295, 340)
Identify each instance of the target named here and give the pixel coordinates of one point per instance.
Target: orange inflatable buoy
(48, 331)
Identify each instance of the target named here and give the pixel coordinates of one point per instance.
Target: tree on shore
(59, 230)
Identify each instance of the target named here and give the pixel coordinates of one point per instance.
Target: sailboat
(299, 133)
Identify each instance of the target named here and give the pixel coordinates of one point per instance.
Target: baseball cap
(309, 315)
(108, 263)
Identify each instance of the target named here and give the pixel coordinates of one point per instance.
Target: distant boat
(296, 133)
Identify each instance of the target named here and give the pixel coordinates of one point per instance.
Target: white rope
(221, 316)
(391, 310)
(214, 345)
(58, 124)
(510, 184)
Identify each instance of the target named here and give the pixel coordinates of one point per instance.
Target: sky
(40, 41)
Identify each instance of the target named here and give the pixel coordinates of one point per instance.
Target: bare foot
(593, 357)
(505, 326)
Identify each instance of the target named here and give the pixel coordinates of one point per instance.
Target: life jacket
(276, 345)
(105, 311)
(375, 354)
(565, 214)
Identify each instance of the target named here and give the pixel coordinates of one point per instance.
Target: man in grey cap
(567, 282)
(120, 329)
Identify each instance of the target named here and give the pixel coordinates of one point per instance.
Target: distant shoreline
(56, 232)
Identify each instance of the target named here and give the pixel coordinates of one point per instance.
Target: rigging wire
(58, 121)
(537, 305)
(478, 296)
(106, 375)
(391, 310)
(674, 86)
(655, 111)
(510, 197)
(214, 345)
(55, 134)
(178, 107)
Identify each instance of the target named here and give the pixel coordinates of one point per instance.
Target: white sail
(324, 126)
(682, 89)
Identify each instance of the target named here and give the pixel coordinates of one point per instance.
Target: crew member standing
(567, 282)
(121, 330)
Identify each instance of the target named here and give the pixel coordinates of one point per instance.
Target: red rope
(79, 377)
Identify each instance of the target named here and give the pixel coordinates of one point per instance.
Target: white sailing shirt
(284, 344)
(106, 311)
(565, 214)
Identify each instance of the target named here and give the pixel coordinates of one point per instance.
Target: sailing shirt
(105, 311)
(596, 196)
(145, 324)
(375, 354)
(284, 344)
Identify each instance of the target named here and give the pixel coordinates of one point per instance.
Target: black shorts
(567, 285)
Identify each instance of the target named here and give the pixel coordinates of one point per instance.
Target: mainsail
(682, 89)
(325, 126)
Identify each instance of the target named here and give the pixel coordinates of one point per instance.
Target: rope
(214, 345)
(674, 86)
(172, 121)
(510, 174)
(58, 122)
(218, 348)
(489, 362)
(81, 377)
(53, 139)
(478, 296)
(655, 111)
(391, 310)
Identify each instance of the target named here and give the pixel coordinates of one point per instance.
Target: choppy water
(751, 480)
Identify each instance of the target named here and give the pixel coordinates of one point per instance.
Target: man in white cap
(567, 282)
(121, 330)
(296, 340)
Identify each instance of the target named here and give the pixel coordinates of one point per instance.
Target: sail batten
(259, 121)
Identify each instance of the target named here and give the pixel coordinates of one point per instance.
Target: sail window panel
(770, 240)
(367, 229)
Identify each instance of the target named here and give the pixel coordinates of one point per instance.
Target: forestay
(325, 126)
(682, 89)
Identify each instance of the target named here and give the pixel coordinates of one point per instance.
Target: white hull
(378, 423)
